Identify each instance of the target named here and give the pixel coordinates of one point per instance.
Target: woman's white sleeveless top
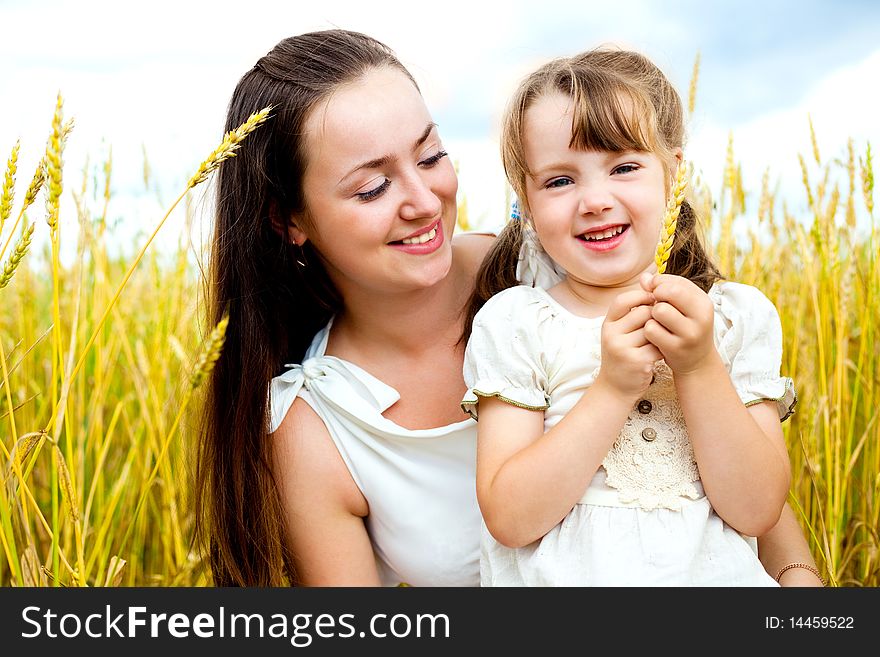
(424, 521)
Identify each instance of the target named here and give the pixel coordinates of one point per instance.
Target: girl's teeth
(421, 239)
(605, 234)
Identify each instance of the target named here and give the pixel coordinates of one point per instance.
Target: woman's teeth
(604, 235)
(421, 239)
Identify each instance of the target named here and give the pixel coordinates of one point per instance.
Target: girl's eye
(375, 192)
(558, 182)
(626, 168)
(434, 159)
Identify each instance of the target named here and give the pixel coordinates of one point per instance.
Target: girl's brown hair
(277, 295)
(621, 102)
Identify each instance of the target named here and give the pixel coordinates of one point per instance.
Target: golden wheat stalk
(36, 183)
(9, 185)
(851, 175)
(24, 446)
(730, 168)
(670, 218)
(16, 257)
(868, 180)
(203, 367)
(813, 141)
(55, 164)
(67, 489)
(108, 170)
(227, 147)
(210, 354)
(692, 91)
(765, 205)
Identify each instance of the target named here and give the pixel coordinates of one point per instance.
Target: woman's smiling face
(597, 213)
(379, 189)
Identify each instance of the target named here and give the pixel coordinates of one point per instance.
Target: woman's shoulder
(306, 458)
(470, 249)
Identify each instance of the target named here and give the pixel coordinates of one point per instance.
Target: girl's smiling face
(379, 189)
(597, 213)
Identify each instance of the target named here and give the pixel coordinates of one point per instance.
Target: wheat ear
(210, 354)
(692, 90)
(9, 185)
(227, 147)
(54, 165)
(670, 218)
(16, 257)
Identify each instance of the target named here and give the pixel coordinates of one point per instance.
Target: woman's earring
(302, 256)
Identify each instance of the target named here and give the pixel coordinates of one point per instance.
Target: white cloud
(842, 105)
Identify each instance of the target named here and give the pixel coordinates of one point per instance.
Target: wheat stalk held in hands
(670, 218)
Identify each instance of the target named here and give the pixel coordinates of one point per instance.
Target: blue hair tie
(515, 214)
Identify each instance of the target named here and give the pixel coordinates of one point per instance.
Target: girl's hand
(628, 356)
(681, 321)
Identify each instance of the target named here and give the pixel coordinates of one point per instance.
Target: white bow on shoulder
(535, 267)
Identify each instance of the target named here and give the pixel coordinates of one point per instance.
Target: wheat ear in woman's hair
(670, 218)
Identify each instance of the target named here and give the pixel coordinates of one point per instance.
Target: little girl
(629, 421)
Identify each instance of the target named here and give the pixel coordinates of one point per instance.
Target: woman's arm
(324, 509)
(783, 545)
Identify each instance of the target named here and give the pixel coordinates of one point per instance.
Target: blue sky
(158, 76)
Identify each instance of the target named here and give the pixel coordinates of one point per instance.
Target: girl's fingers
(650, 352)
(626, 301)
(635, 319)
(670, 317)
(633, 339)
(680, 293)
(659, 335)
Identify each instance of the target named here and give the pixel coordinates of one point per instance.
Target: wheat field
(101, 362)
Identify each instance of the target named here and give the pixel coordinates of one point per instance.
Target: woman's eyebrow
(421, 140)
(385, 159)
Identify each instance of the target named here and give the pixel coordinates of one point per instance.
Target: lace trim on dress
(652, 462)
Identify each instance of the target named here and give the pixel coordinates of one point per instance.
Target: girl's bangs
(612, 118)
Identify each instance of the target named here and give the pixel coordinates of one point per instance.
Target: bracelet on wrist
(805, 566)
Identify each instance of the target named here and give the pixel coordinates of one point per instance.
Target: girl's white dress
(644, 519)
(424, 521)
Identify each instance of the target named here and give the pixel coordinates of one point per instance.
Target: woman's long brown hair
(622, 101)
(275, 305)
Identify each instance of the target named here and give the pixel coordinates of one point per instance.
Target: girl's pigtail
(688, 257)
(497, 273)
